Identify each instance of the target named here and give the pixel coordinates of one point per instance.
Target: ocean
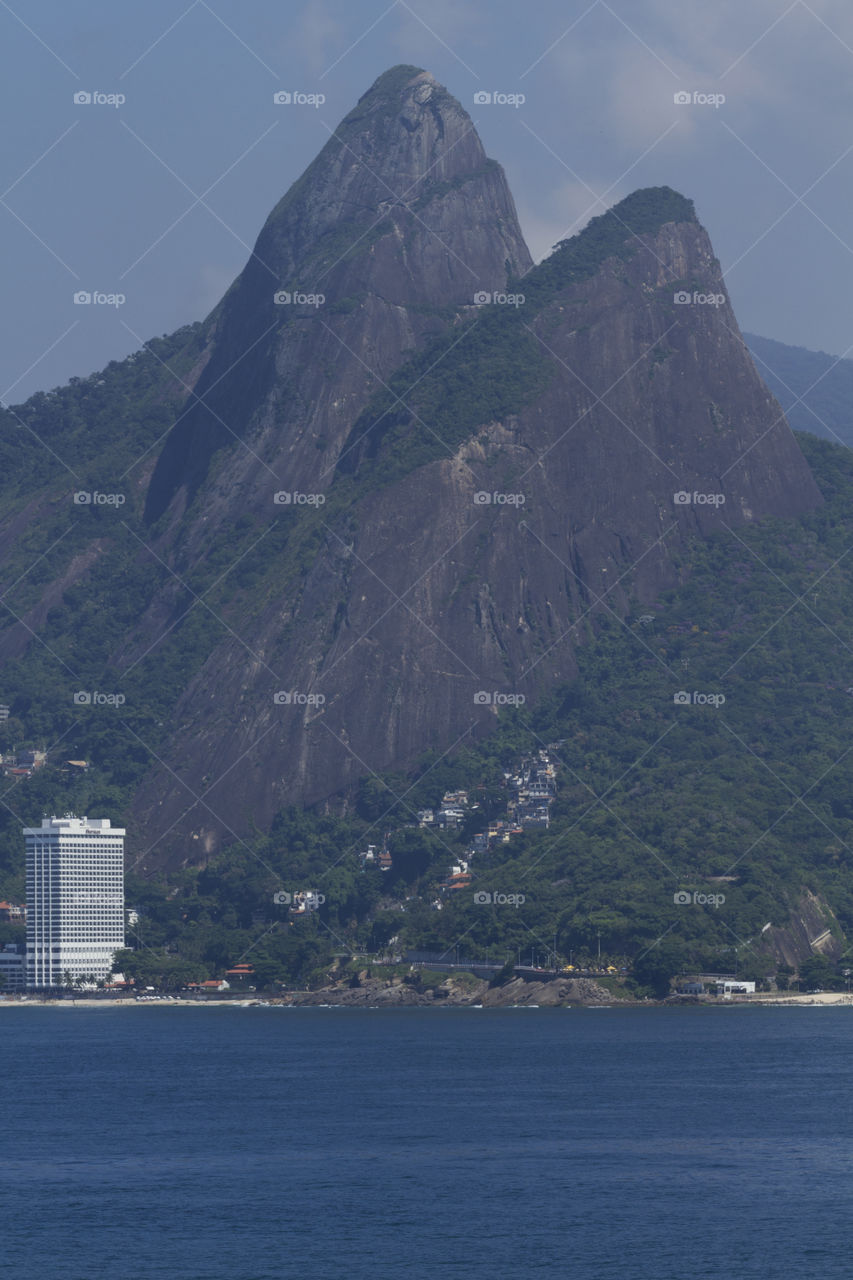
(252, 1144)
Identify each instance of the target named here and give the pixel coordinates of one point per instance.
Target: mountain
(381, 510)
(702, 796)
(400, 218)
(814, 389)
(592, 403)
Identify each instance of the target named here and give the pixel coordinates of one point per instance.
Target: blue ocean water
(709, 1144)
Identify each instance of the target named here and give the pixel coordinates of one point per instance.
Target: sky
(150, 194)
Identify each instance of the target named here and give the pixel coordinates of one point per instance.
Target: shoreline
(321, 1000)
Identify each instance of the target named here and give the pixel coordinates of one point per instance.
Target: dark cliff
(539, 463)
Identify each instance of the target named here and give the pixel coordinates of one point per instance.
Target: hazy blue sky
(161, 198)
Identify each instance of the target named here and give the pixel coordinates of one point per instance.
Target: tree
(817, 972)
(659, 966)
(504, 975)
(383, 929)
(784, 973)
(178, 973)
(269, 970)
(412, 853)
(754, 968)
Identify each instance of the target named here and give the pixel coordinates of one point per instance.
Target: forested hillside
(654, 796)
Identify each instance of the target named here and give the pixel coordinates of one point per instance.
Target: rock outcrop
(461, 992)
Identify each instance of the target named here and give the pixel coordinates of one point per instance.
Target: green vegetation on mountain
(91, 430)
(746, 801)
(654, 797)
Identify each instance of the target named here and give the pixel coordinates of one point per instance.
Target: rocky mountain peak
(399, 217)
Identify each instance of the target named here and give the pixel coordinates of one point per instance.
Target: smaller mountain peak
(644, 210)
(655, 205)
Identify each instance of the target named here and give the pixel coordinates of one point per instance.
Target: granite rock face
(446, 584)
(400, 217)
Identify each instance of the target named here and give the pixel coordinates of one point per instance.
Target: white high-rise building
(75, 899)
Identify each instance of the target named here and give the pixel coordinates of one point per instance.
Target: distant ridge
(824, 382)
